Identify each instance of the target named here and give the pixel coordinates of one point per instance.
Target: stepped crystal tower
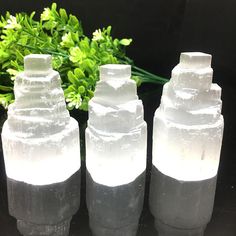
(187, 137)
(115, 154)
(41, 152)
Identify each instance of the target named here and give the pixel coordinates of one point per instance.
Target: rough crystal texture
(188, 125)
(116, 133)
(40, 139)
(38, 65)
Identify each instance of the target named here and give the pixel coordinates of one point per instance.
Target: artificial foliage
(75, 56)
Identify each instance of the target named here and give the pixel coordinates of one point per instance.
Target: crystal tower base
(181, 208)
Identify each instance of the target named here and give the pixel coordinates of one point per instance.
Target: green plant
(75, 56)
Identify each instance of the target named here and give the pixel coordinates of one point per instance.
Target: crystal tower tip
(115, 71)
(38, 64)
(195, 59)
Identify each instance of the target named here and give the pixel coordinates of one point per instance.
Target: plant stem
(145, 76)
(154, 78)
(44, 50)
(6, 88)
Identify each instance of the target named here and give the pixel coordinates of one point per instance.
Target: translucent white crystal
(188, 125)
(40, 139)
(39, 64)
(194, 71)
(195, 60)
(116, 133)
(113, 71)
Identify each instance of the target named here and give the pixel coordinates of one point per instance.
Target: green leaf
(32, 15)
(88, 65)
(81, 89)
(6, 99)
(79, 73)
(12, 72)
(70, 89)
(50, 25)
(23, 40)
(63, 14)
(57, 62)
(6, 88)
(85, 83)
(6, 64)
(76, 55)
(72, 78)
(90, 93)
(46, 14)
(54, 6)
(125, 42)
(67, 41)
(108, 30)
(84, 45)
(116, 42)
(73, 21)
(137, 79)
(75, 36)
(19, 56)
